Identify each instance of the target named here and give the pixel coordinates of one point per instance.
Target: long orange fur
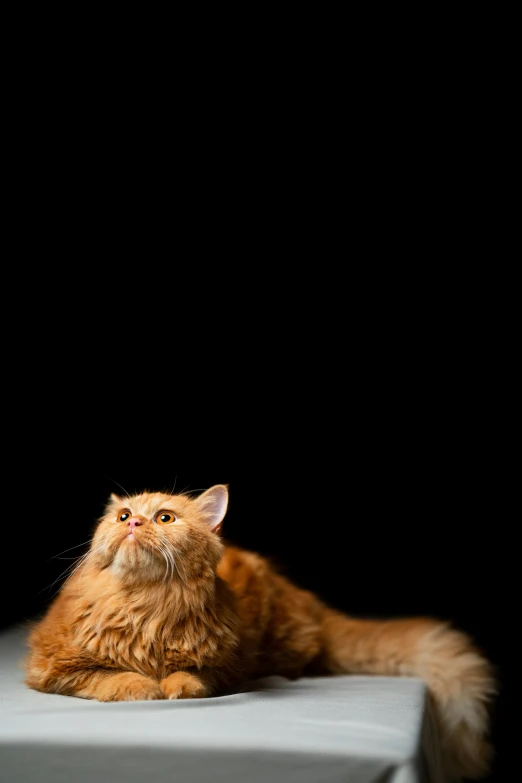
(160, 608)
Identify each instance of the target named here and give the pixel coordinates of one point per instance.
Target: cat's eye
(124, 517)
(165, 518)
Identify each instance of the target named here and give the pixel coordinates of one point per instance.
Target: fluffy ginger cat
(160, 608)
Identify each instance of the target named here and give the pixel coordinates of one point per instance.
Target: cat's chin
(133, 562)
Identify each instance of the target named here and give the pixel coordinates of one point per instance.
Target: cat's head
(154, 536)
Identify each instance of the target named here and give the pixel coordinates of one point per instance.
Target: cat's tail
(459, 678)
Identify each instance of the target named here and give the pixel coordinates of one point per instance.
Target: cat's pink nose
(134, 522)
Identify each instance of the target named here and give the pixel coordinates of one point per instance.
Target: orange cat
(160, 608)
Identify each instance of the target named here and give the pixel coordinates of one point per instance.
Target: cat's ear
(114, 500)
(213, 505)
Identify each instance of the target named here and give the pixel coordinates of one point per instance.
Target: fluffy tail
(459, 678)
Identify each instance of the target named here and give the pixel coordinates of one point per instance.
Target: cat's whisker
(82, 561)
(169, 566)
(69, 567)
(68, 550)
(193, 491)
(175, 551)
(164, 553)
(120, 486)
(166, 564)
(171, 561)
(60, 576)
(179, 570)
(175, 567)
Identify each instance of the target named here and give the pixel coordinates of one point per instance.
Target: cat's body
(160, 608)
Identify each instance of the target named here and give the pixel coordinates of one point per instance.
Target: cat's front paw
(182, 685)
(128, 686)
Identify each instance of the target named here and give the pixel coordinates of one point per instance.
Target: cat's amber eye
(165, 518)
(124, 517)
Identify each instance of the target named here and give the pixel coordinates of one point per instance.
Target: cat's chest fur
(149, 636)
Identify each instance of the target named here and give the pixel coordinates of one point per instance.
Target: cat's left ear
(213, 505)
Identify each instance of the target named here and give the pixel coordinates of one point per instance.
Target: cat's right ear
(114, 500)
(213, 506)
